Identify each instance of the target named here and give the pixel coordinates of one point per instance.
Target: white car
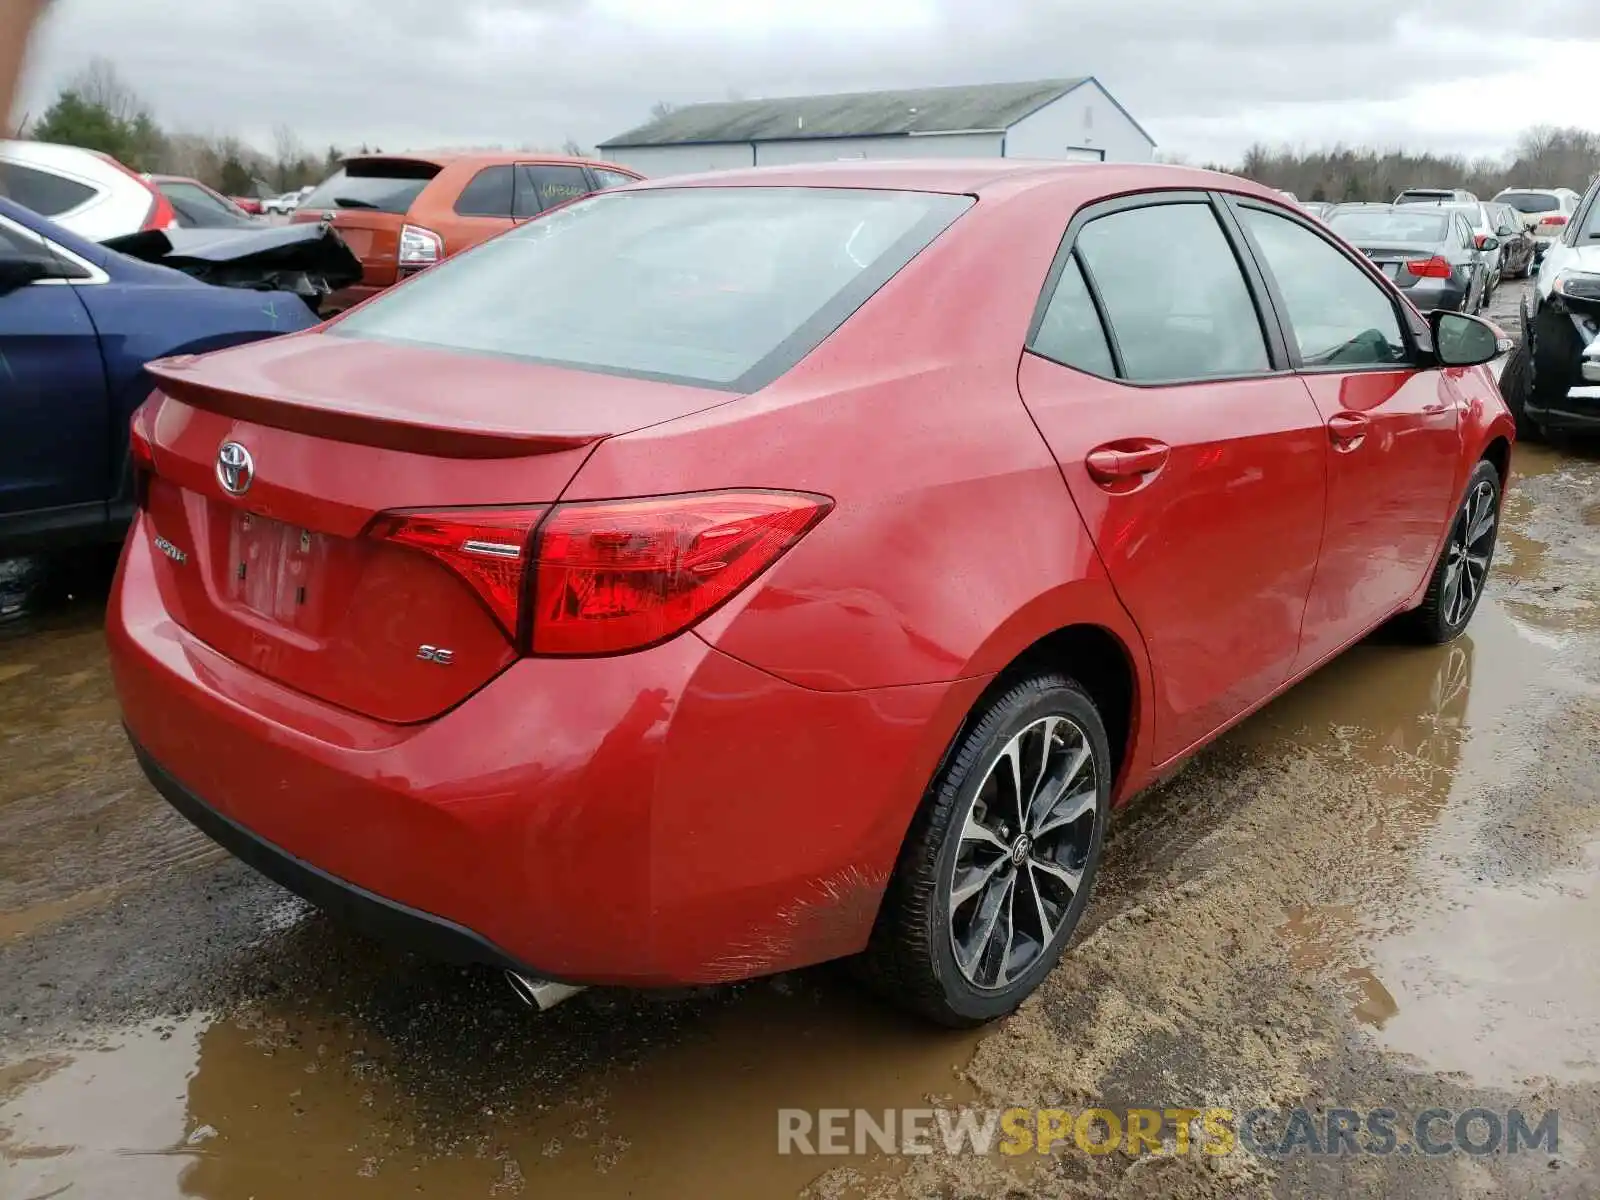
(285, 203)
(85, 192)
(1545, 212)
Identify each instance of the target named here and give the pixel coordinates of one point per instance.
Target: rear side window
(1070, 332)
(1173, 293)
(1341, 316)
(48, 195)
(545, 185)
(380, 184)
(721, 287)
(488, 195)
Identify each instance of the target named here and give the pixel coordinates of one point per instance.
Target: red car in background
(401, 213)
(736, 572)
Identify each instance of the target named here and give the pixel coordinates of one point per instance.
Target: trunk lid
(285, 579)
(367, 200)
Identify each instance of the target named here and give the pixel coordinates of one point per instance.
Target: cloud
(1207, 78)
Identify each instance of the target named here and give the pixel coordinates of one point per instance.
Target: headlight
(1578, 285)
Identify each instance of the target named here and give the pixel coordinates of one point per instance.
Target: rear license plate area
(273, 568)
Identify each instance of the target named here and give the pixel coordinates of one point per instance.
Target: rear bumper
(377, 916)
(666, 817)
(1430, 294)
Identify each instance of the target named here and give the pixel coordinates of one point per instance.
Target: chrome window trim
(93, 274)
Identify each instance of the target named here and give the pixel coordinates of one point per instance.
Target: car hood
(308, 260)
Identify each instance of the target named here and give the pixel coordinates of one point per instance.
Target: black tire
(911, 959)
(1462, 571)
(1516, 386)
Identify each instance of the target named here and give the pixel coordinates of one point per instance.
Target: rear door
(54, 431)
(1195, 458)
(1393, 438)
(367, 200)
(541, 186)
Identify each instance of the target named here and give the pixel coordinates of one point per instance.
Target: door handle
(1126, 460)
(1347, 429)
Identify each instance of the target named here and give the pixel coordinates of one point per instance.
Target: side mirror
(1463, 341)
(20, 272)
(1490, 243)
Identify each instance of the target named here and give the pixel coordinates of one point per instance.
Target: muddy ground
(1378, 892)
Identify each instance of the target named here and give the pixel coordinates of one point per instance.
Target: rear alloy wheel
(998, 864)
(1463, 569)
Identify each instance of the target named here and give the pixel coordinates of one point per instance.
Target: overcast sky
(1205, 77)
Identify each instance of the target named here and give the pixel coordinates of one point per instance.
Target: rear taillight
(609, 576)
(486, 547)
(419, 248)
(1430, 268)
(1557, 220)
(161, 215)
(141, 456)
(624, 574)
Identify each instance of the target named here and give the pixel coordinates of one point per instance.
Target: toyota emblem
(235, 468)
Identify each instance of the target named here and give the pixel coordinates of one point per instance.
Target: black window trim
(1404, 316)
(1278, 364)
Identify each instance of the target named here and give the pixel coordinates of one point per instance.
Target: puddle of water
(306, 1107)
(1498, 983)
(76, 817)
(102, 1122)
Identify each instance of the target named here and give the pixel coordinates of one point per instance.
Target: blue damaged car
(78, 322)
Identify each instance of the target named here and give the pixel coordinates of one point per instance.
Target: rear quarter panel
(954, 544)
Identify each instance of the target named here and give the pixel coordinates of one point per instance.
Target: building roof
(984, 106)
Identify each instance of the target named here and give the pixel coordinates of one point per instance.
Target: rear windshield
(1383, 228)
(380, 184)
(1424, 196)
(719, 287)
(1529, 202)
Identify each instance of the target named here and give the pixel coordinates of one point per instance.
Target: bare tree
(101, 84)
(661, 109)
(571, 148)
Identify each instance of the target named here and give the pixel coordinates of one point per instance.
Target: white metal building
(1075, 120)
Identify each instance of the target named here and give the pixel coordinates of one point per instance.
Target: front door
(54, 425)
(1393, 443)
(1197, 463)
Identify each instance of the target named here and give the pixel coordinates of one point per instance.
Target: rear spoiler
(345, 422)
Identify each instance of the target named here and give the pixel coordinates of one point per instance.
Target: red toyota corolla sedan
(725, 574)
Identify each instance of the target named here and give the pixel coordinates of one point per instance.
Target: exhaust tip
(543, 994)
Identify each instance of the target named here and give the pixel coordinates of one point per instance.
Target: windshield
(1530, 202)
(197, 207)
(1591, 220)
(1390, 228)
(721, 287)
(381, 184)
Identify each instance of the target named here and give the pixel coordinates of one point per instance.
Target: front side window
(611, 179)
(1070, 332)
(1341, 316)
(721, 287)
(545, 185)
(1173, 293)
(1586, 225)
(47, 194)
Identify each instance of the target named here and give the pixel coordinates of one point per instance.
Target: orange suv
(401, 213)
